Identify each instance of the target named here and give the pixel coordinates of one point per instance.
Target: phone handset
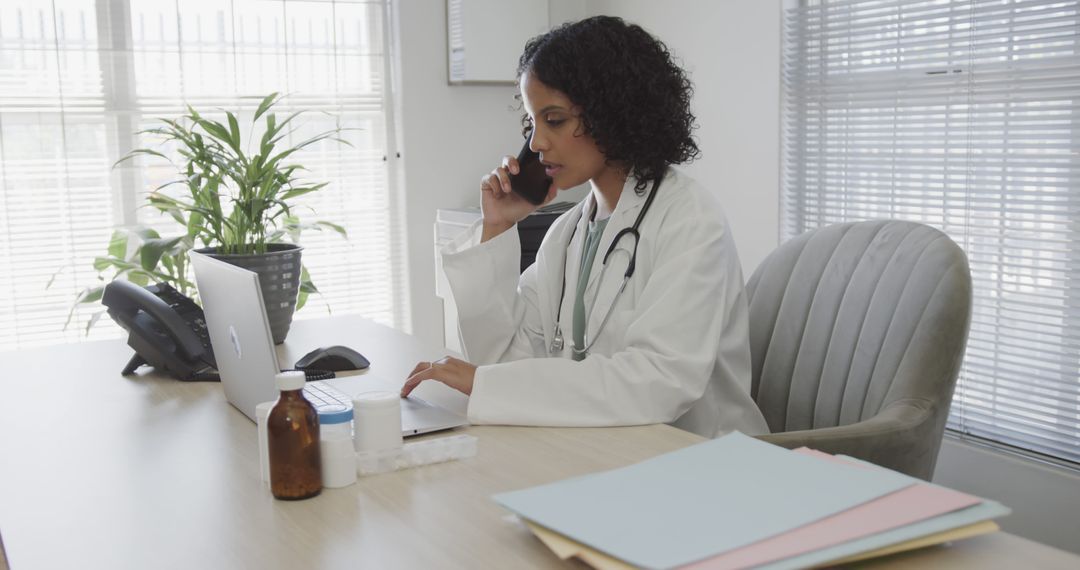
(531, 182)
(159, 335)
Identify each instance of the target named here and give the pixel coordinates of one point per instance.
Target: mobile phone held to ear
(531, 182)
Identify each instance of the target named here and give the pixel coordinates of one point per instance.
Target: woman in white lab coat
(561, 345)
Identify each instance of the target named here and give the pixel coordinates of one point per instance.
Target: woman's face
(570, 156)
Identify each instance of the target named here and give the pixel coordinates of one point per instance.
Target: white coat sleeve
(498, 318)
(671, 344)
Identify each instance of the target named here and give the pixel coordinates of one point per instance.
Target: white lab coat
(676, 346)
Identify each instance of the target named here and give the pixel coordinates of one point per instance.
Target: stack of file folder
(736, 502)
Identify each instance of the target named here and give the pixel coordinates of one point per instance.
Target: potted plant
(237, 205)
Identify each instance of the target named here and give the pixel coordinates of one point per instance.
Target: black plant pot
(279, 279)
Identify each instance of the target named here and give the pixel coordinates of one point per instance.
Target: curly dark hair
(635, 100)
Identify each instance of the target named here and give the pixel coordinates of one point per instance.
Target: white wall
(731, 49)
(1045, 498)
(450, 136)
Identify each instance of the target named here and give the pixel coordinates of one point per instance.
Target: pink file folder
(906, 506)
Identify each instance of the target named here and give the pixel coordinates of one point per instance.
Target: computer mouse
(333, 358)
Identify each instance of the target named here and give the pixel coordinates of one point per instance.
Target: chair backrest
(846, 319)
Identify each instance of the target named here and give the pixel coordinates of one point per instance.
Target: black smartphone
(531, 182)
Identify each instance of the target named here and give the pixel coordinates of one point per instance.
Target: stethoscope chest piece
(557, 342)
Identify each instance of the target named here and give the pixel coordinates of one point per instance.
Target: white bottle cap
(373, 400)
(289, 380)
(377, 421)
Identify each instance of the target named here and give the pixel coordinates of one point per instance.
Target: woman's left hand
(451, 371)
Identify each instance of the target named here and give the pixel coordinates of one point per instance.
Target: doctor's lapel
(567, 257)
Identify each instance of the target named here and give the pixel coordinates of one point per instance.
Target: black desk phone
(166, 329)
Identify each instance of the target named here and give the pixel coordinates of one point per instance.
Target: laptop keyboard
(321, 394)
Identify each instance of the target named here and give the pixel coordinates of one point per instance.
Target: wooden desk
(105, 471)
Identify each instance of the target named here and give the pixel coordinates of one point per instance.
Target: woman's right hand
(502, 208)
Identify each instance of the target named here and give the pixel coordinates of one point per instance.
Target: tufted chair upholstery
(857, 332)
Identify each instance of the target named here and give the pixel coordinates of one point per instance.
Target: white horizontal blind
(80, 77)
(964, 115)
(55, 204)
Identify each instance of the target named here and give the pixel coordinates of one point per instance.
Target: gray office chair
(857, 332)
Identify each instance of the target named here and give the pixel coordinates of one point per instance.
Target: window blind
(964, 115)
(78, 79)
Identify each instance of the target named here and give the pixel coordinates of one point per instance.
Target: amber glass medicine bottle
(293, 440)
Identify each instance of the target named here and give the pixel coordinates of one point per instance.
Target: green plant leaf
(172, 183)
(103, 263)
(160, 131)
(90, 295)
(118, 244)
(284, 123)
(164, 201)
(137, 152)
(195, 223)
(339, 229)
(216, 130)
(151, 251)
(139, 278)
(168, 263)
(54, 276)
(301, 190)
(234, 129)
(129, 269)
(94, 318)
(177, 215)
(265, 105)
(307, 287)
(86, 296)
(145, 233)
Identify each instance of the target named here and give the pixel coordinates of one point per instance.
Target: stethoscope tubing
(557, 342)
(607, 314)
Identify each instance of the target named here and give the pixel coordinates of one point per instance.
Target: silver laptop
(244, 348)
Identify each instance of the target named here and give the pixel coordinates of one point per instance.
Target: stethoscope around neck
(558, 342)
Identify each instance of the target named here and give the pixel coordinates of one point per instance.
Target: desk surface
(146, 472)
